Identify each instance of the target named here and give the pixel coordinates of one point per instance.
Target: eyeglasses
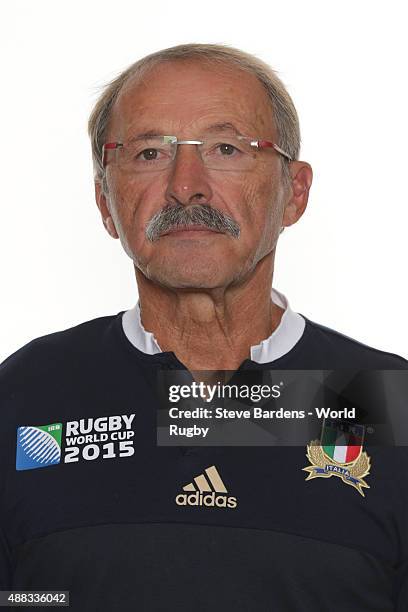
(217, 152)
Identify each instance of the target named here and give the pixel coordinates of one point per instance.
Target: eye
(227, 149)
(148, 154)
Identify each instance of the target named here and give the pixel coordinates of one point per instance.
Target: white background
(343, 265)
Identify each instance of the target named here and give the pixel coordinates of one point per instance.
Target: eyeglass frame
(256, 143)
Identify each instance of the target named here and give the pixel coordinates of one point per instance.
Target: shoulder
(342, 351)
(60, 350)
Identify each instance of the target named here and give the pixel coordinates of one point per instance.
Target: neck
(211, 329)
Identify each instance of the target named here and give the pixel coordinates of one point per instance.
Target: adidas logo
(206, 490)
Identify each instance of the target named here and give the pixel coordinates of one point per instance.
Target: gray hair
(284, 111)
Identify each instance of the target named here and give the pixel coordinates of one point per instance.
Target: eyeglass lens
(218, 152)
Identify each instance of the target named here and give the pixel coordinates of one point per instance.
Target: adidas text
(206, 499)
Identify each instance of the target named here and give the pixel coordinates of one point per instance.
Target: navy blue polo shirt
(106, 517)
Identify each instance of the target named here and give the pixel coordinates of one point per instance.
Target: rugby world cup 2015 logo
(38, 446)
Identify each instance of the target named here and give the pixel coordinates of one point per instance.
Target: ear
(302, 177)
(101, 201)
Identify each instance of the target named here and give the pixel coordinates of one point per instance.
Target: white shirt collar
(280, 342)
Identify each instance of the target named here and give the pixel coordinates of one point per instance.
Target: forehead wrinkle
(133, 133)
(131, 117)
(213, 128)
(241, 91)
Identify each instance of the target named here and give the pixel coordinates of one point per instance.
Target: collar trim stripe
(281, 341)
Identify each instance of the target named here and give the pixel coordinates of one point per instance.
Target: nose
(188, 182)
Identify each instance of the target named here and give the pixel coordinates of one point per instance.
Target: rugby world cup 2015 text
(104, 437)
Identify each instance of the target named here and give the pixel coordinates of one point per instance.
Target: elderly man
(197, 173)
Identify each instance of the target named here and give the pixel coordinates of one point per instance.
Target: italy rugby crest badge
(340, 453)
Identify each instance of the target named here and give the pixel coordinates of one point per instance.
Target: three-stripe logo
(207, 489)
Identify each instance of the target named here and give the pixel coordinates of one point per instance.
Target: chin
(190, 281)
(190, 276)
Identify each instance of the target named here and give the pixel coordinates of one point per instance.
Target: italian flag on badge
(341, 441)
(339, 452)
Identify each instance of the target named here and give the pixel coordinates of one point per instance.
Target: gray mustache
(177, 215)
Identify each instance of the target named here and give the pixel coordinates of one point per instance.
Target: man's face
(184, 99)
